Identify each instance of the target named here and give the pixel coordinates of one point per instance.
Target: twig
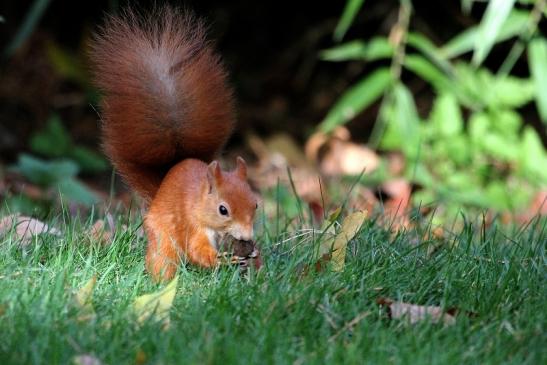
(349, 325)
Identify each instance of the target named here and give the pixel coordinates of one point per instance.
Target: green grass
(279, 316)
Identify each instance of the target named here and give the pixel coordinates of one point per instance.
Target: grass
(278, 315)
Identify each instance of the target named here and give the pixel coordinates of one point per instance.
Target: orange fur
(166, 111)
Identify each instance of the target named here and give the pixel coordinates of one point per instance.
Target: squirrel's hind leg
(162, 256)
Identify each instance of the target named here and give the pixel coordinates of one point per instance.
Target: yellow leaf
(82, 298)
(350, 226)
(156, 305)
(328, 233)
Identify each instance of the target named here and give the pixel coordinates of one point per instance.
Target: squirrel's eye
(222, 210)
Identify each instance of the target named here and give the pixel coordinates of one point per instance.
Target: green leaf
(537, 58)
(75, 191)
(428, 49)
(403, 124)
(67, 64)
(533, 155)
(350, 11)
(494, 18)
(446, 116)
(408, 120)
(498, 196)
(466, 41)
(486, 138)
(156, 306)
(53, 141)
(357, 98)
(377, 48)
(511, 92)
(44, 172)
(427, 71)
(490, 91)
(88, 160)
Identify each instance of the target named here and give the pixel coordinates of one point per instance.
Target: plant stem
(520, 45)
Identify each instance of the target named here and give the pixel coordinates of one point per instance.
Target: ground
(286, 313)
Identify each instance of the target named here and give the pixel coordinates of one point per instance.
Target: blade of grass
(25, 30)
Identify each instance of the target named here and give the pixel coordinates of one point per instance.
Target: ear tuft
(214, 175)
(241, 168)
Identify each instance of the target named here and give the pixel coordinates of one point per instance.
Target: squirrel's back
(165, 94)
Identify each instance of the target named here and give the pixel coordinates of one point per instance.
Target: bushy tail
(165, 94)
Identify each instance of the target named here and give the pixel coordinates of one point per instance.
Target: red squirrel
(167, 111)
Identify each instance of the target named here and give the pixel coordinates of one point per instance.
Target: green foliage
(55, 142)
(466, 41)
(473, 148)
(494, 18)
(357, 98)
(350, 11)
(57, 174)
(537, 57)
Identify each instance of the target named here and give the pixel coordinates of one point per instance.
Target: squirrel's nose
(245, 234)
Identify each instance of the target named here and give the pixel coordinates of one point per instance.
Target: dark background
(270, 49)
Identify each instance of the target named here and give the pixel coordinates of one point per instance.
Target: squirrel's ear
(214, 175)
(241, 168)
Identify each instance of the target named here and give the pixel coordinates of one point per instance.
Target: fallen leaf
(86, 360)
(318, 213)
(538, 207)
(25, 227)
(397, 206)
(333, 247)
(348, 158)
(98, 232)
(416, 313)
(140, 357)
(82, 299)
(350, 226)
(319, 140)
(362, 198)
(156, 305)
(337, 155)
(396, 163)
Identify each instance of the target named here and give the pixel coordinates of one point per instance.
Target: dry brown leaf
(538, 206)
(396, 163)
(333, 247)
(314, 144)
(348, 158)
(319, 139)
(362, 198)
(350, 226)
(416, 313)
(285, 145)
(397, 206)
(99, 233)
(25, 227)
(140, 357)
